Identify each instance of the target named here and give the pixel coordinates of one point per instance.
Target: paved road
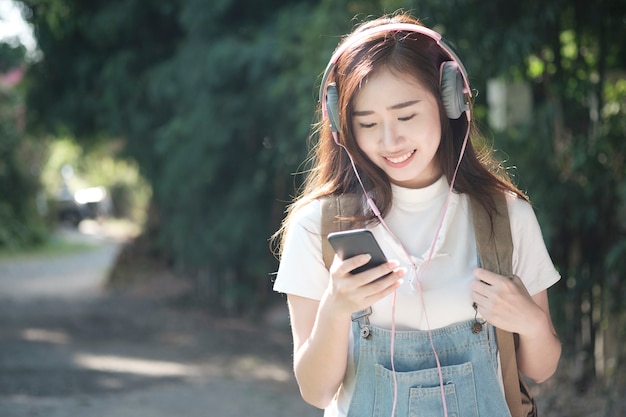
(70, 348)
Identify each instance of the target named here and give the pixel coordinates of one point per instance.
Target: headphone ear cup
(452, 88)
(332, 106)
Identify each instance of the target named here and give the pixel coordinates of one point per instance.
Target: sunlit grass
(54, 246)
(89, 235)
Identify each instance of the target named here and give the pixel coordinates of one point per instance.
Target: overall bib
(469, 366)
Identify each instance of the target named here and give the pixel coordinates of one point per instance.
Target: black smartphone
(351, 243)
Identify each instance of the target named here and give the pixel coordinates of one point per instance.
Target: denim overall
(469, 366)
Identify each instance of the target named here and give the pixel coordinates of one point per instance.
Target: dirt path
(69, 348)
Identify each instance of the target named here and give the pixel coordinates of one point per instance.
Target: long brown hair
(404, 53)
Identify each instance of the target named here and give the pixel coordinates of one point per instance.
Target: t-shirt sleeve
(301, 270)
(531, 260)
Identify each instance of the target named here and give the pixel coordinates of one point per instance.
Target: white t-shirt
(414, 218)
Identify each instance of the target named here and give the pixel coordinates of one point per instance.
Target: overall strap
(495, 248)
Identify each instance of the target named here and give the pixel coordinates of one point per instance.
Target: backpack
(496, 253)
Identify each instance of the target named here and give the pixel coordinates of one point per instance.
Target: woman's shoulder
(307, 216)
(525, 226)
(519, 208)
(531, 260)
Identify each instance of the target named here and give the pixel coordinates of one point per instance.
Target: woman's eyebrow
(394, 107)
(403, 105)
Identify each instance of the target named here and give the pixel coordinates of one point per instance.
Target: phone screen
(350, 243)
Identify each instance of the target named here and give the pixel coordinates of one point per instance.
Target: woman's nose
(389, 135)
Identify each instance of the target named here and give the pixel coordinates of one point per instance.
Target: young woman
(397, 129)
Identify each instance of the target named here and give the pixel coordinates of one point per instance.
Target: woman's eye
(407, 118)
(367, 125)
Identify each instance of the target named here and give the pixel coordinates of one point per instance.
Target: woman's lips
(399, 160)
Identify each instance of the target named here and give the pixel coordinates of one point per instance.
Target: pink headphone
(455, 88)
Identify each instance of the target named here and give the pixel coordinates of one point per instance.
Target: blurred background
(185, 124)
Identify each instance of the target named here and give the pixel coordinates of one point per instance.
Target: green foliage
(11, 56)
(96, 53)
(20, 223)
(571, 159)
(227, 146)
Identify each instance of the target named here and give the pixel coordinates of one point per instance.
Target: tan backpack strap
(495, 245)
(330, 211)
(495, 248)
(335, 210)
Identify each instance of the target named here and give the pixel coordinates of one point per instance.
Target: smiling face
(396, 124)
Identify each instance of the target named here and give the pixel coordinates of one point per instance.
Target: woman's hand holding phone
(360, 273)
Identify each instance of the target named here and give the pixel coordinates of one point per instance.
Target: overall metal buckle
(362, 318)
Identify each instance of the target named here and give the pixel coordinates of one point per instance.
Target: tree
(577, 73)
(20, 159)
(194, 113)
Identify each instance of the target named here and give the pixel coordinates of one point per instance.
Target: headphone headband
(392, 27)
